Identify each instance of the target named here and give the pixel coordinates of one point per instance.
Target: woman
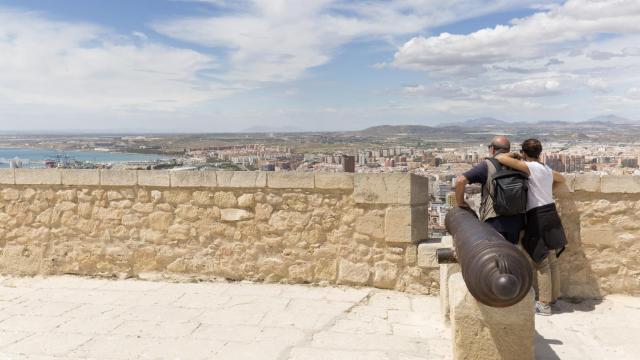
(544, 237)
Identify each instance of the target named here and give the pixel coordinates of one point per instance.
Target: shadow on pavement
(569, 305)
(543, 349)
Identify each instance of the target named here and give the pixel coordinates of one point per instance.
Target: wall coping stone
(290, 180)
(241, 179)
(38, 177)
(90, 177)
(118, 177)
(160, 178)
(340, 181)
(7, 176)
(193, 179)
(368, 188)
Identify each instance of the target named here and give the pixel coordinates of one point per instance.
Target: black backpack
(509, 190)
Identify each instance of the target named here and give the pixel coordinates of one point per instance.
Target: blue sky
(219, 65)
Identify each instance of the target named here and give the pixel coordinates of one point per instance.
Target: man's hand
(464, 204)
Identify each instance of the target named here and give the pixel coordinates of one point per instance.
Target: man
(508, 226)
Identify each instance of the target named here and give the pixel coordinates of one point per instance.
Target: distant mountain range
(488, 124)
(271, 129)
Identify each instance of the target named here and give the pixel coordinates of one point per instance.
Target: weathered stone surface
(394, 188)
(7, 176)
(483, 332)
(112, 177)
(246, 200)
(371, 223)
(80, 177)
(341, 181)
(235, 214)
(193, 179)
(225, 199)
(242, 179)
(160, 220)
(353, 274)
(406, 224)
(587, 182)
(290, 180)
(38, 176)
(157, 178)
(385, 275)
(620, 184)
(427, 254)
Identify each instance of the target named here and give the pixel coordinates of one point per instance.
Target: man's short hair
(501, 146)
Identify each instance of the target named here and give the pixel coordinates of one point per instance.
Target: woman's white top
(540, 185)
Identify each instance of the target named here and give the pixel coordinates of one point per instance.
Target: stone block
(620, 184)
(7, 176)
(406, 224)
(446, 270)
(353, 273)
(241, 179)
(160, 178)
(110, 177)
(483, 332)
(290, 180)
(341, 181)
(394, 188)
(235, 215)
(371, 223)
(385, 274)
(587, 182)
(193, 179)
(80, 177)
(427, 254)
(38, 177)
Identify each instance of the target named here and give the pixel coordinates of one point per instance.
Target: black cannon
(497, 273)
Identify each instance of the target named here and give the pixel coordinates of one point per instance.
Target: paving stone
(156, 320)
(323, 354)
(45, 344)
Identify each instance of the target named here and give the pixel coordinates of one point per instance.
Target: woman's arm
(558, 178)
(516, 164)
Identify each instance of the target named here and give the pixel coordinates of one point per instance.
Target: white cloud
(279, 40)
(526, 38)
(83, 66)
(531, 88)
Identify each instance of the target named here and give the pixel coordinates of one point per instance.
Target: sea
(34, 158)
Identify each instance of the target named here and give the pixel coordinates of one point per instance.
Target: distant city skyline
(317, 65)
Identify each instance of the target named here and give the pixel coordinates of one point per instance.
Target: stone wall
(601, 216)
(355, 229)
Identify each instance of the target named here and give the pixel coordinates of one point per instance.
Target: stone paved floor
(78, 318)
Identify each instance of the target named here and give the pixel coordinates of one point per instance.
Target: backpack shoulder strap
(495, 163)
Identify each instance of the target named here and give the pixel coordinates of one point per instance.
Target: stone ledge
(620, 184)
(193, 179)
(427, 254)
(38, 177)
(290, 180)
(80, 177)
(160, 178)
(118, 177)
(393, 188)
(406, 224)
(241, 179)
(587, 182)
(340, 181)
(7, 176)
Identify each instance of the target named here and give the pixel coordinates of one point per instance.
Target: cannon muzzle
(497, 273)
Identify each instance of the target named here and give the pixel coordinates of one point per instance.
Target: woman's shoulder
(537, 166)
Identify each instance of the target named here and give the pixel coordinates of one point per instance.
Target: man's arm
(516, 164)
(461, 183)
(558, 178)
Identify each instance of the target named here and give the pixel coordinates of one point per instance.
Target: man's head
(500, 144)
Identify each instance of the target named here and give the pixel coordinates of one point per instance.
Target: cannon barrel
(496, 272)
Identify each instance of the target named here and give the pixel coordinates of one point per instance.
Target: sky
(313, 65)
